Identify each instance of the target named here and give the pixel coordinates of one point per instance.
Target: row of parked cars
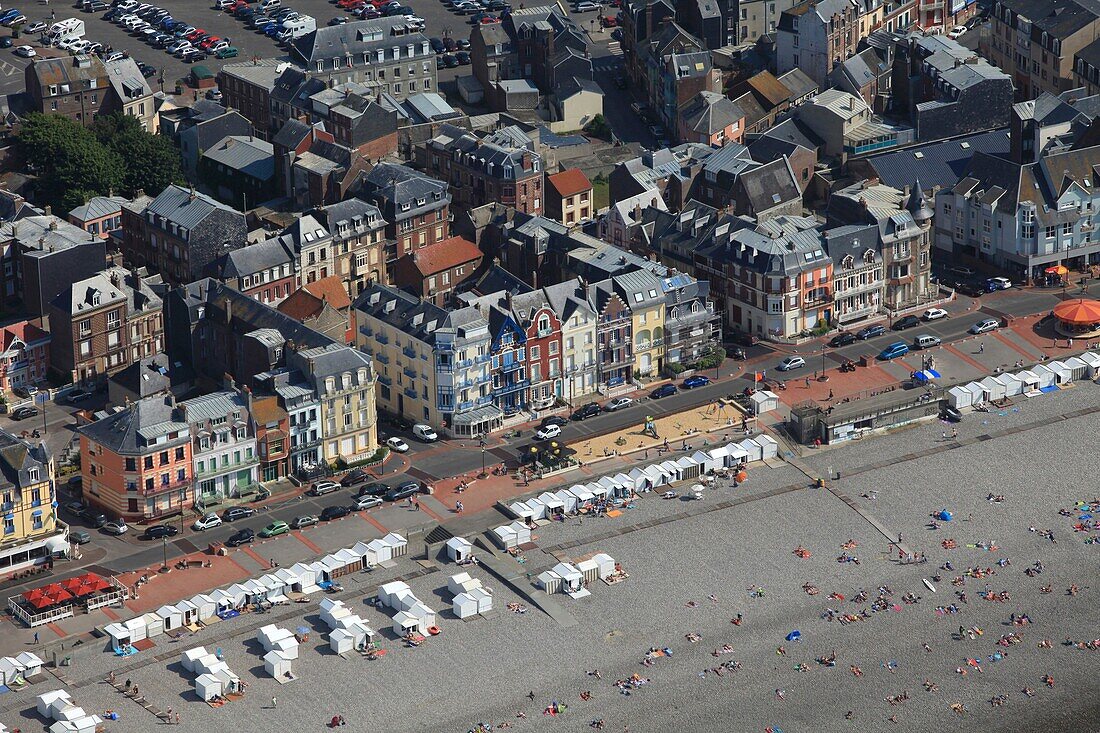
(369, 9)
(156, 26)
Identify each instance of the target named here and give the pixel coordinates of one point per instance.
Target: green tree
(151, 162)
(70, 162)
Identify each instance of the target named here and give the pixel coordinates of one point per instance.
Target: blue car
(168, 24)
(697, 381)
(13, 13)
(271, 29)
(665, 390)
(893, 351)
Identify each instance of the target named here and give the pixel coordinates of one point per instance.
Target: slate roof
(1059, 18)
(798, 83)
(248, 155)
(940, 163)
(131, 431)
(45, 234)
(17, 457)
(258, 72)
(249, 260)
(769, 185)
(98, 207)
(186, 208)
(126, 287)
(355, 38)
(407, 313)
(710, 112)
(782, 138)
(126, 79)
(145, 377)
(397, 184)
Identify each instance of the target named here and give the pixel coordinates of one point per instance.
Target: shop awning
(478, 415)
(1057, 270)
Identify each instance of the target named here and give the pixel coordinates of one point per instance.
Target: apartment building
(137, 463)
(642, 292)
(344, 380)
(569, 197)
(71, 86)
(303, 409)
(32, 533)
(180, 233)
(223, 445)
(435, 271)
(415, 207)
(103, 324)
(1035, 41)
(24, 356)
(502, 167)
(578, 338)
(358, 232)
(815, 35)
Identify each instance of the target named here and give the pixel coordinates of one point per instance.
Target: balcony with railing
(510, 387)
(409, 372)
(410, 393)
(382, 358)
(616, 359)
(483, 358)
(170, 486)
(409, 352)
(382, 338)
(385, 380)
(511, 366)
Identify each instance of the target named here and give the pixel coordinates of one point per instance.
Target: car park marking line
(255, 556)
(1015, 346)
(8, 69)
(378, 525)
(982, 368)
(305, 541)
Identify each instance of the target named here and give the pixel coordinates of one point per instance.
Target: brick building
(416, 208)
(24, 356)
(433, 272)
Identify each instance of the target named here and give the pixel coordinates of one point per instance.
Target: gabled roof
(569, 182)
(132, 430)
(708, 113)
(444, 255)
(98, 207)
(355, 39)
(186, 208)
(940, 163)
(265, 255)
(248, 155)
(330, 289)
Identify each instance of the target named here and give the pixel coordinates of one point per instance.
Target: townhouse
(24, 356)
(32, 533)
(344, 380)
(569, 197)
(303, 409)
(502, 167)
(415, 207)
(103, 324)
(223, 446)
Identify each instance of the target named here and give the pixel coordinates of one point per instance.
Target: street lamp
(164, 545)
(482, 474)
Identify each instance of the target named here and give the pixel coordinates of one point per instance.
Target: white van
(926, 342)
(270, 4)
(297, 28)
(68, 28)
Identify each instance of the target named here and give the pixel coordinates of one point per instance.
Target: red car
(489, 19)
(195, 34)
(236, 6)
(350, 4)
(205, 45)
(609, 22)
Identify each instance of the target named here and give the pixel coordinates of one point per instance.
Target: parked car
(926, 341)
(618, 403)
(586, 7)
(951, 414)
(243, 537)
(791, 362)
(75, 508)
(665, 390)
(437, 45)
(548, 432)
(306, 520)
(553, 420)
(22, 413)
(372, 489)
(6, 42)
(323, 487)
(695, 381)
(79, 537)
(934, 314)
(893, 351)
(463, 58)
(208, 522)
(984, 326)
(238, 512)
(449, 60)
(367, 502)
(842, 339)
(95, 518)
(907, 322)
(956, 31)
(160, 531)
(869, 332)
(997, 283)
(337, 511)
(397, 445)
(227, 53)
(116, 527)
(275, 529)
(353, 477)
(77, 395)
(36, 27)
(425, 432)
(402, 491)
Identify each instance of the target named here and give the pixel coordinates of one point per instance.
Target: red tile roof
(569, 182)
(441, 256)
(332, 289)
(301, 305)
(25, 331)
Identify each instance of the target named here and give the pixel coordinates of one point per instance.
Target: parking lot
(440, 22)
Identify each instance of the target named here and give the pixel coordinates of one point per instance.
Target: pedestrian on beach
(274, 701)
(177, 718)
(416, 505)
(127, 684)
(945, 435)
(458, 507)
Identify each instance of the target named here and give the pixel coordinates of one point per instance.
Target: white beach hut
(506, 537)
(706, 460)
(208, 687)
(639, 479)
(606, 563)
(960, 397)
(45, 702)
(763, 401)
(341, 641)
(119, 635)
(353, 562)
(320, 572)
(1030, 379)
(599, 490)
(753, 451)
(83, 724)
(979, 394)
(568, 501)
(554, 505)
(673, 469)
(228, 598)
(608, 484)
(1013, 384)
(769, 448)
(188, 611)
(333, 566)
(307, 579)
(378, 552)
(735, 454)
(398, 544)
(1078, 368)
(332, 615)
(403, 600)
(538, 509)
(190, 656)
(154, 625)
(582, 492)
(994, 387)
(484, 598)
(1062, 373)
(209, 664)
(136, 628)
(719, 455)
(170, 617)
(590, 569)
(656, 475)
(11, 671)
(277, 665)
(520, 510)
(459, 549)
(361, 633)
(387, 592)
(274, 586)
(425, 614)
(31, 663)
(288, 646)
(549, 581)
(523, 532)
(207, 607)
(464, 605)
(1092, 360)
(1047, 376)
(462, 583)
(572, 580)
(689, 468)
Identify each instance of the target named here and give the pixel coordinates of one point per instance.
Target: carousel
(1077, 318)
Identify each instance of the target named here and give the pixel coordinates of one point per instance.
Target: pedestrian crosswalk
(615, 48)
(607, 63)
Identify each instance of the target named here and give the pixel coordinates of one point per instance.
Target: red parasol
(36, 598)
(93, 583)
(73, 584)
(55, 593)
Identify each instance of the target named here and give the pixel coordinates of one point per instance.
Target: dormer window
(95, 298)
(32, 474)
